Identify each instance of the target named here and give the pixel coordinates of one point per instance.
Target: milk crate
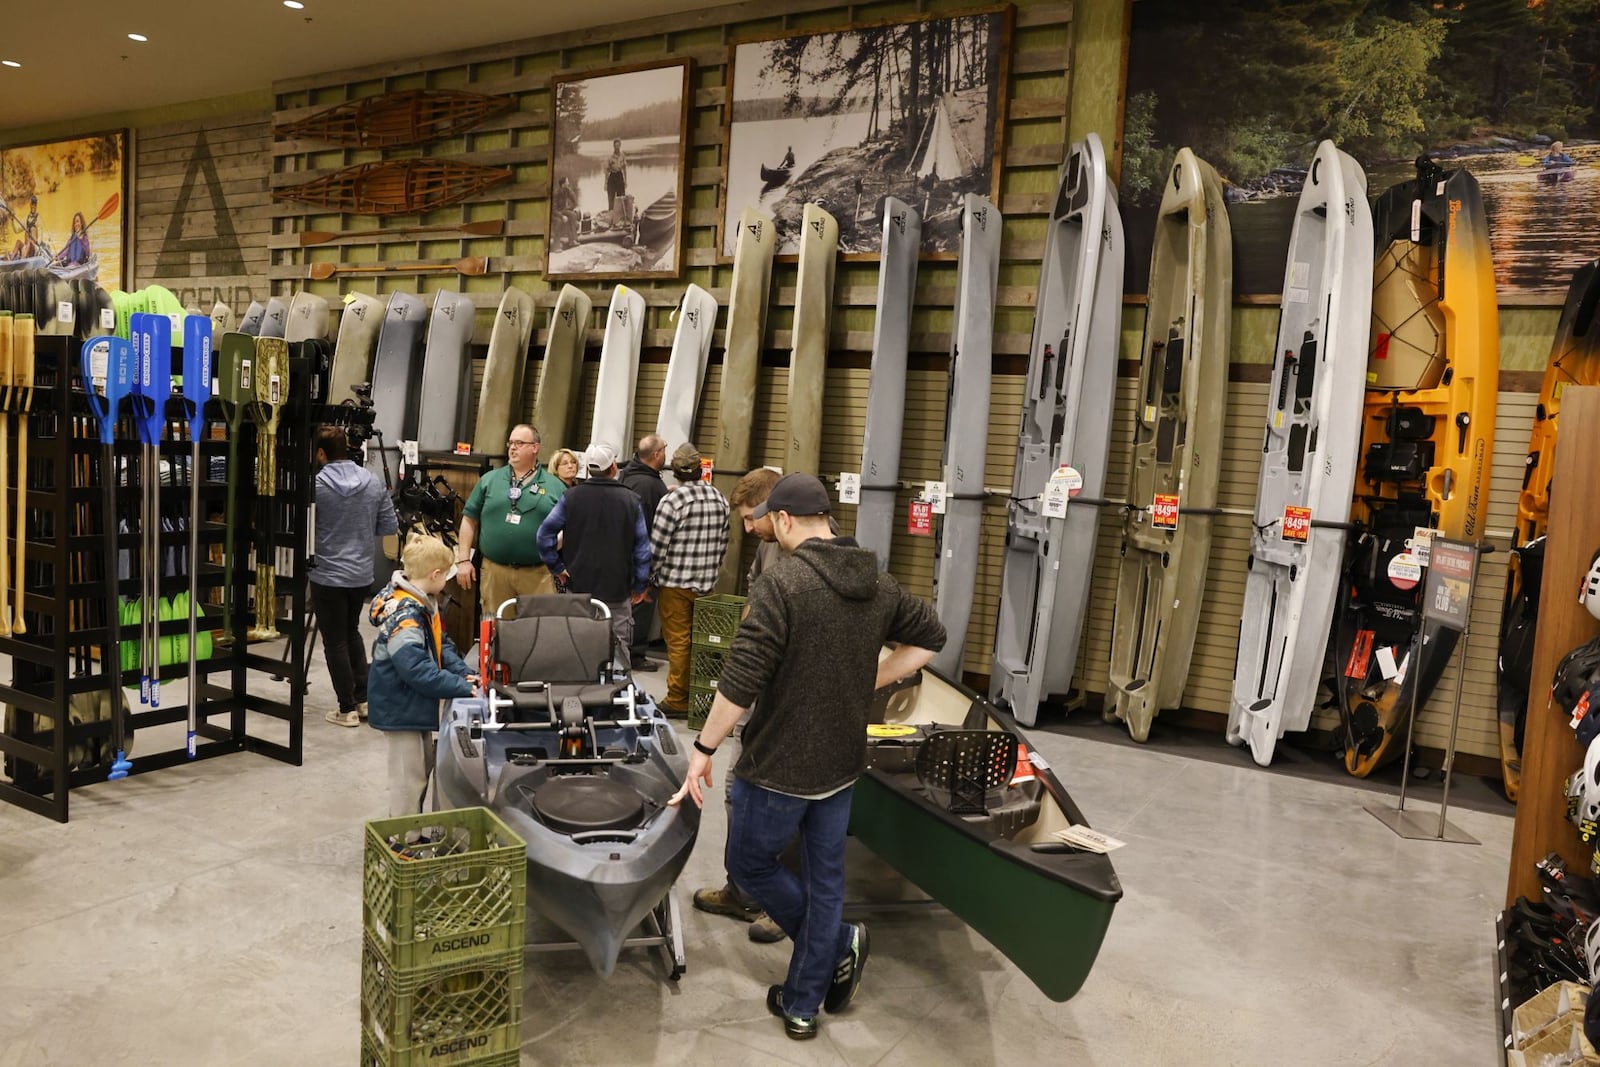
(443, 887)
(467, 1012)
(700, 698)
(716, 619)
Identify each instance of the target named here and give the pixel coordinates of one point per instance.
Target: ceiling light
(9, 63)
(137, 37)
(295, 5)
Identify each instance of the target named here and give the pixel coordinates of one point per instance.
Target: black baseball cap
(798, 494)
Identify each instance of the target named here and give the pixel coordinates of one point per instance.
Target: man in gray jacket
(353, 511)
(809, 648)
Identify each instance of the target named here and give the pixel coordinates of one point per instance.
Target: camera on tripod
(356, 416)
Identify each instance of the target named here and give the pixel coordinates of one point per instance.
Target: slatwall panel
(176, 239)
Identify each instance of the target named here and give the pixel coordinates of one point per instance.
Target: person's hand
(561, 581)
(640, 597)
(473, 680)
(699, 771)
(465, 574)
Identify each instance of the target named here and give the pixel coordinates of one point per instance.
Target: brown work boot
(726, 901)
(765, 931)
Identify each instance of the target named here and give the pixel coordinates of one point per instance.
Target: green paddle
(236, 390)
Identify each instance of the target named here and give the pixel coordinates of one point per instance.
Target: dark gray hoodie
(809, 650)
(352, 512)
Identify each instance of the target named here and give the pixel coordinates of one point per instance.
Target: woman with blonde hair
(564, 465)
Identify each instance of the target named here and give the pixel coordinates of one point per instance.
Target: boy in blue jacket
(414, 666)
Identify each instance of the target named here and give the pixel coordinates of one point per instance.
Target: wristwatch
(702, 749)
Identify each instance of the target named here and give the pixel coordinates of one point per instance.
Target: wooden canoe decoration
(398, 120)
(395, 186)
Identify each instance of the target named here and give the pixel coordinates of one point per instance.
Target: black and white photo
(911, 109)
(616, 173)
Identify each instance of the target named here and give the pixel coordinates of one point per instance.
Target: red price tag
(1164, 511)
(705, 468)
(1296, 525)
(463, 448)
(921, 520)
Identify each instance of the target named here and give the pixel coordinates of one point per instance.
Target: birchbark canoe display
(398, 120)
(395, 186)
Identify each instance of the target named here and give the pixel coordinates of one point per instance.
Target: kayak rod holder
(1446, 605)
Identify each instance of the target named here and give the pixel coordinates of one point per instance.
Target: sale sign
(1296, 525)
(921, 521)
(1164, 511)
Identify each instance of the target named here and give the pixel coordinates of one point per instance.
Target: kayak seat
(555, 639)
(965, 769)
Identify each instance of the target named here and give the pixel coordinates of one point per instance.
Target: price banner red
(1296, 525)
(921, 521)
(1164, 511)
(705, 468)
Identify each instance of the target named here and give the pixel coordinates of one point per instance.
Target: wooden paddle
(491, 228)
(473, 266)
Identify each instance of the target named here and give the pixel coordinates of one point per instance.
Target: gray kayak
(397, 377)
(967, 427)
(1063, 441)
(308, 318)
(686, 370)
(275, 323)
(619, 372)
(886, 388)
(254, 316)
(444, 372)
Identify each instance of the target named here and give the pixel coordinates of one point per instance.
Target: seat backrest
(962, 768)
(559, 648)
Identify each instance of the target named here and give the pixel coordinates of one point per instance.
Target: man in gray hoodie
(809, 648)
(353, 511)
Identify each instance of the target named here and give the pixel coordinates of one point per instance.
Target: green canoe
(1044, 905)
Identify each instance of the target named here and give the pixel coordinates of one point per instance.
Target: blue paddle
(106, 363)
(196, 391)
(153, 385)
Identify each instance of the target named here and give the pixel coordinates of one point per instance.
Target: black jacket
(605, 543)
(809, 650)
(646, 481)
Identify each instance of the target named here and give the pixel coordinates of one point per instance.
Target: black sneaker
(646, 665)
(847, 975)
(797, 1028)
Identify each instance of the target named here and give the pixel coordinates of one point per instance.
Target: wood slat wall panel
(182, 240)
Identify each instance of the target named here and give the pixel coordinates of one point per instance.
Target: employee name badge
(1064, 484)
(514, 517)
(849, 487)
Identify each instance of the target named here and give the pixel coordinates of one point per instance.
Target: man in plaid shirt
(687, 543)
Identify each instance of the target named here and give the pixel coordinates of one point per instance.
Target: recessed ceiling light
(137, 37)
(9, 63)
(294, 4)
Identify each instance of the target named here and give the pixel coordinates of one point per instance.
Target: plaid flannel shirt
(689, 538)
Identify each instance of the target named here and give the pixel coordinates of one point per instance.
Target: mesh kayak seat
(557, 649)
(965, 769)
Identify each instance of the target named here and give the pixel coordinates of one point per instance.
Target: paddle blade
(315, 237)
(107, 367)
(318, 272)
(272, 371)
(473, 266)
(234, 359)
(112, 203)
(196, 371)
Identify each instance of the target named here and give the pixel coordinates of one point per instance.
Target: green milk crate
(467, 1012)
(705, 665)
(700, 697)
(716, 619)
(443, 887)
(372, 1055)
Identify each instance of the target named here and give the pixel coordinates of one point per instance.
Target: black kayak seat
(554, 639)
(584, 803)
(546, 698)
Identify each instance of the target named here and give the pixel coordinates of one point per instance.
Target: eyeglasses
(521, 444)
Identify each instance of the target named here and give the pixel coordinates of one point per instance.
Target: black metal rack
(47, 750)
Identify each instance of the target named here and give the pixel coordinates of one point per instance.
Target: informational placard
(1447, 598)
(64, 312)
(1296, 524)
(1064, 483)
(1164, 511)
(1404, 571)
(849, 487)
(934, 495)
(920, 521)
(1422, 543)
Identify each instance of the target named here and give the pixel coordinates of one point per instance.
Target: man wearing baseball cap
(809, 649)
(605, 545)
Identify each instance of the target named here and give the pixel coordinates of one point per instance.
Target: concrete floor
(211, 915)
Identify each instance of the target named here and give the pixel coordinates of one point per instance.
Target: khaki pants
(675, 608)
(501, 583)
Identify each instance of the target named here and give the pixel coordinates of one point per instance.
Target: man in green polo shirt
(502, 520)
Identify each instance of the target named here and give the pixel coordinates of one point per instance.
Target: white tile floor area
(211, 915)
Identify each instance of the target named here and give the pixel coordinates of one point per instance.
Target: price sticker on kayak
(64, 312)
(1296, 525)
(849, 487)
(1064, 484)
(920, 522)
(1421, 544)
(1404, 571)
(934, 495)
(1164, 511)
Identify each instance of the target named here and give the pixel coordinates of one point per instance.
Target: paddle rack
(52, 739)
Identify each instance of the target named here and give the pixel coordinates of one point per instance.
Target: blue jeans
(809, 908)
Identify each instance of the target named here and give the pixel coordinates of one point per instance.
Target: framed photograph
(61, 207)
(617, 148)
(913, 109)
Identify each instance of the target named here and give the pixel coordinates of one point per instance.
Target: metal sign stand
(1446, 603)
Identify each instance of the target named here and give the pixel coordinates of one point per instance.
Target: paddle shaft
(21, 394)
(472, 266)
(490, 228)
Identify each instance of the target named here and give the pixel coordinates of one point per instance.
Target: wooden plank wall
(201, 218)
